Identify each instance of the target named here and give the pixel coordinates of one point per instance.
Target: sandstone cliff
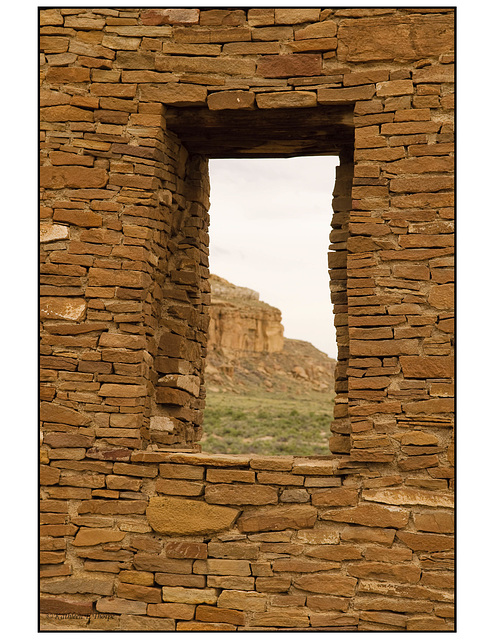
(247, 348)
(240, 321)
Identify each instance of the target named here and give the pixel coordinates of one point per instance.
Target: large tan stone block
(435, 521)
(221, 567)
(333, 584)
(90, 537)
(50, 412)
(67, 75)
(242, 600)
(189, 596)
(426, 541)
(403, 572)
(397, 38)
(139, 592)
(120, 605)
(278, 518)
(296, 16)
(404, 495)
(370, 516)
(238, 494)
(286, 99)
(442, 296)
(176, 516)
(427, 366)
(63, 308)
(285, 66)
(73, 584)
(200, 64)
(326, 29)
(72, 177)
(170, 16)
(281, 618)
(52, 232)
(215, 614)
(176, 94)
(176, 610)
(231, 100)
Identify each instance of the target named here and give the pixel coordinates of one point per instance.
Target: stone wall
(133, 102)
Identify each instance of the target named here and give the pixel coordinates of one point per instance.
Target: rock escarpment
(247, 348)
(239, 320)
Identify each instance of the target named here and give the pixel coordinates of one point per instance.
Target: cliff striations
(240, 321)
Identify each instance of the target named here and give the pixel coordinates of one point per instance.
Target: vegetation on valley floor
(267, 423)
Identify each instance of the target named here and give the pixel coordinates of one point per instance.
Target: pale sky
(270, 221)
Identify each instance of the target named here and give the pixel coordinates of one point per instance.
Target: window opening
(270, 221)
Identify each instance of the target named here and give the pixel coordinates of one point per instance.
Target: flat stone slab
(176, 516)
(210, 459)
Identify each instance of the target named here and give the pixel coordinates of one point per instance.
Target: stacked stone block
(361, 540)
(192, 541)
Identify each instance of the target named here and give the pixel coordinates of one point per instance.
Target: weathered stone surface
(78, 218)
(317, 467)
(370, 516)
(66, 605)
(427, 366)
(285, 66)
(122, 390)
(397, 38)
(176, 516)
(345, 94)
(296, 16)
(178, 611)
(144, 578)
(239, 494)
(91, 537)
(52, 232)
(63, 308)
(318, 536)
(426, 541)
(406, 496)
(189, 596)
(221, 567)
(442, 296)
(333, 584)
(435, 521)
(50, 412)
(139, 592)
(238, 550)
(72, 177)
(187, 550)
(284, 618)
(326, 29)
(174, 94)
(99, 586)
(210, 459)
(242, 600)
(216, 614)
(337, 497)
(403, 572)
(278, 518)
(199, 64)
(120, 605)
(231, 100)
(286, 99)
(418, 438)
(170, 16)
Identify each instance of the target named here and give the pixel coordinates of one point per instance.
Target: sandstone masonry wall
(133, 102)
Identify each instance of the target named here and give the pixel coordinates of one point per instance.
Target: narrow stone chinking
(139, 529)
